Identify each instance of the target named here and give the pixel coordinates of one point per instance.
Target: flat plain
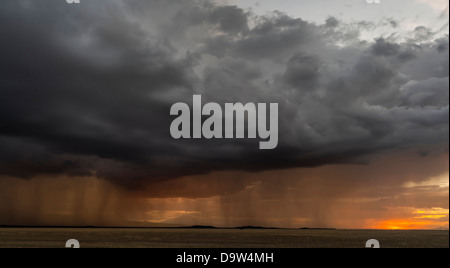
(217, 238)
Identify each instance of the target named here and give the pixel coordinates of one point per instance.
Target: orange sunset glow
(426, 219)
(330, 197)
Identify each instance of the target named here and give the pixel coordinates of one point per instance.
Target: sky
(363, 93)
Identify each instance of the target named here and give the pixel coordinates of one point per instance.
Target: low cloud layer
(88, 89)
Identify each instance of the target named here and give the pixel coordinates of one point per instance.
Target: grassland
(217, 238)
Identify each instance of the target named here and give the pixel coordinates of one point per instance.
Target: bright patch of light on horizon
(413, 219)
(441, 181)
(162, 216)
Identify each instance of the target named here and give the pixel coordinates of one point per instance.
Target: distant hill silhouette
(201, 227)
(163, 226)
(307, 228)
(255, 227)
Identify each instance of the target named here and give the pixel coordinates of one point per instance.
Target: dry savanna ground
(217, 238)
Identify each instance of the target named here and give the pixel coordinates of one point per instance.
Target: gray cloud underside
(88, 89)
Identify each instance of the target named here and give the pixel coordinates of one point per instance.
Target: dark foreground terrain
(217, 238)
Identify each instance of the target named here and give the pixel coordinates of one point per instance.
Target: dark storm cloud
(442, 45)
(87, 89)
(231, 19)
(332, 22)
(383, 48)
(302, 71)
